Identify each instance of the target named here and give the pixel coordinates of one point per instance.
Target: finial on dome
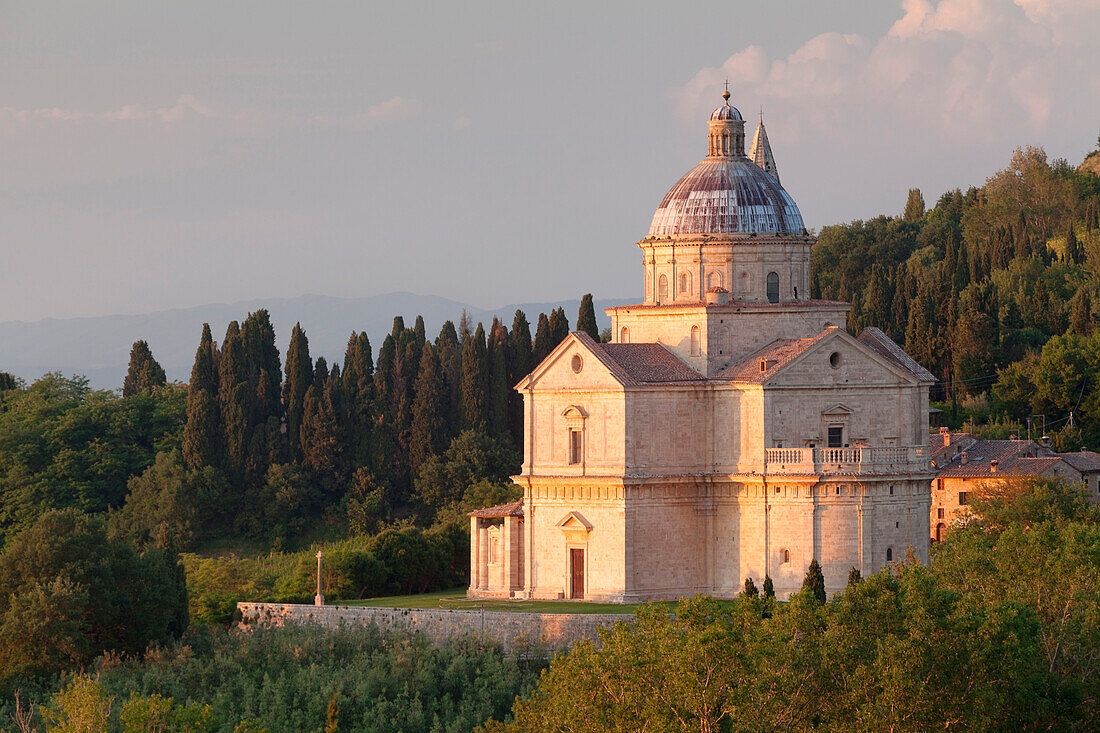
(726, 94)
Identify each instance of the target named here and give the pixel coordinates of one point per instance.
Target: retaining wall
(553, 630)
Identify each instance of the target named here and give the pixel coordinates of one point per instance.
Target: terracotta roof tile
(514, 509)
(649, 363)
(775, 356)
(1014, 458)
(1084, 460)
(886, 348)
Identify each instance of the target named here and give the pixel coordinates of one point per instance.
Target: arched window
(939, 531)
(773, 287)
(685, 282)
(725, 144)
(723, 340)
(662, 289)
(714, 279)
(695, 341)
(889, 554)
(624, 335)
(784, 556)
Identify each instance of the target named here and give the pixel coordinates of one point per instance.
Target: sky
(161, 155)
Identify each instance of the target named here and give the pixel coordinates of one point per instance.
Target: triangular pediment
(577, 361)
(837, 410)
(574, 521)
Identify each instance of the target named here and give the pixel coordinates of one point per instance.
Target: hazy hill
(99, 348)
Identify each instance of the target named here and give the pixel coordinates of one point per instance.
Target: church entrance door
(576, 565)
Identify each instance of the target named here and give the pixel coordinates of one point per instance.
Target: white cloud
(959, 68)
(185, 106)
(394, 109)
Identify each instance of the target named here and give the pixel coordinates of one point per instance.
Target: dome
(726, 195)
(726, 111)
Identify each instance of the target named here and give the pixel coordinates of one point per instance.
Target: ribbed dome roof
(726, 195)
(727, 112)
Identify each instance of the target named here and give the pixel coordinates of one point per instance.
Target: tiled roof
(649, 363)
(514, 509)
(936, 447)
(1012, 458)
(1084, 460)
(886, 348)
(775, 355)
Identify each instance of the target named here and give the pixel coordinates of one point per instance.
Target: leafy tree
(586, 318)
(299, 378)
(202, 430)
(144, 374)
(815, 582)
(69, 591)
(854, 576)
(471, 457)
(520, 364)
(9, 381)
(320, 441)
(235, 402)
(499, 387)
(170, 503)
(559, 327)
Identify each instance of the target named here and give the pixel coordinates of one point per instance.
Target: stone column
(475, 555)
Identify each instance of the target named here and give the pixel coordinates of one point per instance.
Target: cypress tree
(559, 327)
(319, 446)
(499, 386)
(750, 590)
(449, 353)
(357, 386)
(202, 429)
(854, 576)
(543, 344)
(299, 378)
(144, 374)
(586, 318)
(1073, 247)
(419, 332)
(519, 366)
(428, 418)
(234, 398)
(815, 582)
(914, 205)
(1080, 320)
(266, 443)
(474, 380)
(769, 587)
(320, 371)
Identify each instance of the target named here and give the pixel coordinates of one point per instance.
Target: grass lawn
(457, 599)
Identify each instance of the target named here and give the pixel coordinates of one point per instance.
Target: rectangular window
(939, 484)
(962, 498)
(836, 437)
(575, 446)
(939, 513)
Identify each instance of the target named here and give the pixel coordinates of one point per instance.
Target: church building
(732, 428)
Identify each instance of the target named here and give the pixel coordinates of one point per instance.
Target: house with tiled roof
(966, 465)
(731, 429)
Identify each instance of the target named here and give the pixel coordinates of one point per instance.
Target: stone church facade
(731, 429)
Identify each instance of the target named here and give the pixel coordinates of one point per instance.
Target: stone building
(731, 428)
(966, 465)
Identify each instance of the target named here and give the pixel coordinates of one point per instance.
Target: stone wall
(554, 630)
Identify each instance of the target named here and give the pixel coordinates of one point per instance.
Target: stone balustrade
(855, 460)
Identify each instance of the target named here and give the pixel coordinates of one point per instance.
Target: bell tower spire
(761, 152)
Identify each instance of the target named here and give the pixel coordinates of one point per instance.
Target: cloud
(957, 68)
(392, 110)
(186, 106)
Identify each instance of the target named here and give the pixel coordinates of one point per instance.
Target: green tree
(544, 341)
(299, 378)
(474, 380)
(814, 582)
(320, 444)
(472, 456)
(750, 590)
(429, 411)
(520, 364)
(586, 318)
(499, 386)
(69, 591)
(769, 587)
(202, 430)
(914, 206)
(559, 327)
(854, 576)
(144, 374)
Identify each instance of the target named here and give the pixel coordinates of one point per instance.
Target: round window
(577, 363)
(834, 359)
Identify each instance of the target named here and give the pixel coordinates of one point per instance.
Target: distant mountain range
(99, 348)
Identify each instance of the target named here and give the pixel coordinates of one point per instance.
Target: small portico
(496, 551)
